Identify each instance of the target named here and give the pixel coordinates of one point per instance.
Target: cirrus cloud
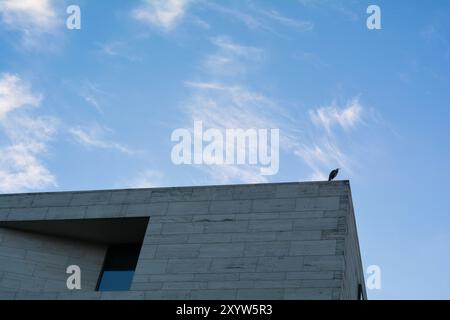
(163, 14)
(346, 117)
(93, 137)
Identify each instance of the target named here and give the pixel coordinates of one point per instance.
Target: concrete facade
(263, 241)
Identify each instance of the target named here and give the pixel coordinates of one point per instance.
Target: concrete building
(263, 241)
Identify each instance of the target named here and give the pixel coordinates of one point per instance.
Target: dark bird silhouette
(333, 174)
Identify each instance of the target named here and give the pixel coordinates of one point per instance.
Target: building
(263, 241)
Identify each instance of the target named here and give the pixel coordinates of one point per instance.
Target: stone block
(177, 251)
(221, 250)
(220, 265)
(230, 206)
(57, 213)
(188, 207)
(317, 203)
(277, 264)
(90, 198)
(311, 248)
(16, 200)
(258, 294)
(323, 263)
(274, 205)
(188, 265)
(52, 199)
(269, 248)
(27, 214)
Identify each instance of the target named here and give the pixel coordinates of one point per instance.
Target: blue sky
(95, 108)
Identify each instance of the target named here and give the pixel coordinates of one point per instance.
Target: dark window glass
(118, 269)
(116, 281)
(360, 292)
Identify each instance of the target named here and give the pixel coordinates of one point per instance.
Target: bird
(333, 174)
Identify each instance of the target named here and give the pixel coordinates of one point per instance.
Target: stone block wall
(264, 241)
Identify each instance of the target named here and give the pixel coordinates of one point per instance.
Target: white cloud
(298, 25)
(250, 21)
(147, 179)
(92, 100)
(347, 8)
(221, 106)
(322, 155)
(119, 49)
(224, 174)
(232, 107)
(310, 58)
(231, 58)
(163, 14)
(15, 94)
(257, 18)
(27, 138)
(31, 17)
(21, 170)
(347, 117)
(227, 45)
(93, 95)
(33, 131)
(322, 150)
(93, 137)
(309, 137)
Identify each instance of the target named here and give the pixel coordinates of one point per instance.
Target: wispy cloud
(258, 18)
(33, 18)
(224, 174)
(347, 8)
(346, 117)
(310, 58)
(94, 137)
(27, 138)
(435, 33)
(231, 58)
(227, 45)
(299, 25)
(322, 149)
(147, 179)
(119, 49)
(311, 137)
(94, 95)
(162, 14)
(223, 107)
(165, 15)
(14, 94)
(249, 20)
(93, 101)
(323, 154)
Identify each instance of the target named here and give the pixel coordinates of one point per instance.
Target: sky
(95, 108)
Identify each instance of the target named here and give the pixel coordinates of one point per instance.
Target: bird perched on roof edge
(333, 174)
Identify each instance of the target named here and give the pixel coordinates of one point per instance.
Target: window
(360, 292)
(119, 266)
